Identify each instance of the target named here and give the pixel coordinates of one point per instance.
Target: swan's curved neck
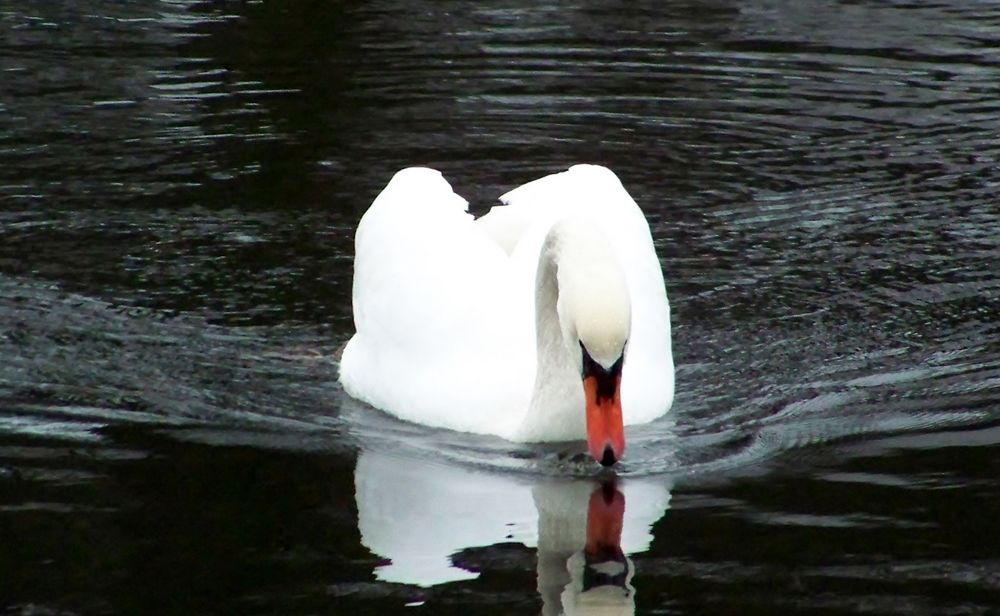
(551, 343)
(557, 397)
(579, 288)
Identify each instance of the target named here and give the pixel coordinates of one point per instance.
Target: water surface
(179, 187)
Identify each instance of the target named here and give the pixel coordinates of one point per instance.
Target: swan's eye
(607, 379)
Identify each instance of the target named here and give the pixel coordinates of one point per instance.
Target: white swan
(545, 320)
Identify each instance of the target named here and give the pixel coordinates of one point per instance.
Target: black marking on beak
(607, 381)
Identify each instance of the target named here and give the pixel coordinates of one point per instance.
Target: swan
(545, 320)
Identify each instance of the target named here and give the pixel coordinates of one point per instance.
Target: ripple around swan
(192, 379)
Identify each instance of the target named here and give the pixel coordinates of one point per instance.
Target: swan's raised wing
(588, 189)
(431, 309)
(540, 203)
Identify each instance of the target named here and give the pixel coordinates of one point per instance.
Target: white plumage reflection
(418, 513)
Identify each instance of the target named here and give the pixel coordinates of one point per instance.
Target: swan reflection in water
(419, 513)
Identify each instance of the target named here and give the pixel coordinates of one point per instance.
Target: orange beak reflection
(606, 563)
(605, 514)
(605, 429)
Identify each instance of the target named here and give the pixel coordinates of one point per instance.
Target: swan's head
(595, 315)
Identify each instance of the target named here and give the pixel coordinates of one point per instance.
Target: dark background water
(179, 185)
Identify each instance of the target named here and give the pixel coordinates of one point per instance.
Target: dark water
(179, 184)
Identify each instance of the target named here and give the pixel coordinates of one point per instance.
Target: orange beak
(605, 429)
